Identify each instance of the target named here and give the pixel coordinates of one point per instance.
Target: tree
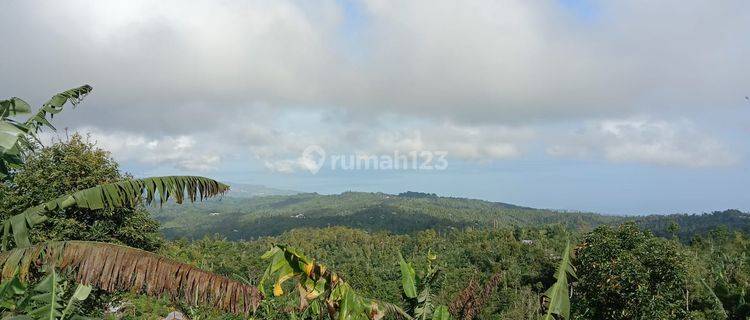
(674, 229)
(625, 273)
(64, 167)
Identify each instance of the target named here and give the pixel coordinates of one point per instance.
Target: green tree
(625, 273)
(674, 229)
(67, 166)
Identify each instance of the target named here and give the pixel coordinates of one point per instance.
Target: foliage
(17, 138)
(48, 298)
(369, 262)
(45, 301)
(418, 290)
(321, 291)
(467, 304)
(687, 226)
(119, 268)
(62, 168)
(625, 273)
(108, 266)
(12, 291)
(112, 267)
(122, 194)
(557, 298)
(723, 270)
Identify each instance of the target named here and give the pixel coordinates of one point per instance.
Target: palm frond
(114, 267)
(127, 193)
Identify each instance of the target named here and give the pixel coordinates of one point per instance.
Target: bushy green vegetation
(620, 269)
(628, 274)
(65, 167)
(687, 226)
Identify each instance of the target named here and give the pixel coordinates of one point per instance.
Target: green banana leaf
(408, 277)
(441, 313)
(128, 193)
(559, 294)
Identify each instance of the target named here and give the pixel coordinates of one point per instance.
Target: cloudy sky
(610, 106)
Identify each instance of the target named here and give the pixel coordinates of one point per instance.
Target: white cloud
(207, 80)
(282, 150)
(472, 143)
(487, 61)
(656, 142)
(180, 152)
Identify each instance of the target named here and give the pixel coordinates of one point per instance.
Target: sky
(619, 107)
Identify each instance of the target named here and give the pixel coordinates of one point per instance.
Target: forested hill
(251, 217)
(247, 218)
(685, 226)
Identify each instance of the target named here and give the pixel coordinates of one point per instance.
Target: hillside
(242, 217)
(247, 218)
(690, 225)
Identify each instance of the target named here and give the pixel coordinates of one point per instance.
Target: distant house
(527, 242)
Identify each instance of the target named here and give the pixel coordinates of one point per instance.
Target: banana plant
(108, 266)
(729, 287)
(556, 300)
(321, 291)
(114, 267)
(128, 194)
(17, 138)
(418, 290)
(45, 301)
(12, 292)
(48, 300)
